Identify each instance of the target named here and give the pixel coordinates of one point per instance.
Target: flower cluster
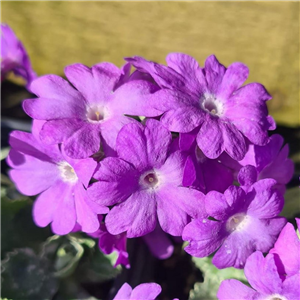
(166, 150)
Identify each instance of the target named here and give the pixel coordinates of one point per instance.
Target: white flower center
(237, 222)
(95, 113)
(210, 104)
(67, 173)
(149, 180)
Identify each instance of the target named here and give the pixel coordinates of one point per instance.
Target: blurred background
(263, 35)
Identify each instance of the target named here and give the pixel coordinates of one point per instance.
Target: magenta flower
(90, 116)
(109, 243)
(287, 261)
(14, 56)
(264, 278)
(239, 224)
(212, 100)
(42, 169)
(145, 291)
(271, 161)
(145, 184)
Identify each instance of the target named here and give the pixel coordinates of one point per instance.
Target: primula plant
(165, 153)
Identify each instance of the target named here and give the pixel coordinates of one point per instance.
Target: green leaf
(97, 267)
(213, 277)
(65, 252)
(16, 218)
(27, 276)
(292, 203)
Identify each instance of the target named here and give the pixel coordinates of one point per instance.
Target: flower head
(90, 115)
(145, 184)
(240, 223)
(60, 181)
(212, 101)
(14, 56)
(264, 278)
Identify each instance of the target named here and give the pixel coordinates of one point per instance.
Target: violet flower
(145, 184)
(91, 115)
(145, 291)
(240, 223)
(212, 100)
(264, 278)
(14, 56)
(271, 161)
(42, 169)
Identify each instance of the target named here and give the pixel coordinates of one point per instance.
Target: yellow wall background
(263, 35)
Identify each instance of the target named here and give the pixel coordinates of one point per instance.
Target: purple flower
(270, 161)
(109, 243)
(145, 291)
(287, 251)
(42, 169)
(240, 223)
(145, 184)
(201, 172)
(159, 243)
(90, 115)
(14, 56)
(212, 100)
(262, 274)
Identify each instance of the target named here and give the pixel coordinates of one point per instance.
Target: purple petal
(86, 217)
(64, 218)
(204, 236)
(186, 140)
(124, 292)
(132, 145)
(247, 176)
(183, 119)
(266, 202)
(146, 291)
(48, 109)
(46, 204)
(158, 140)
(234, 77)
(159, 243)
(26, 143)
(57, 131)
(232, 289)
(291, 287)
(290, 259)
(97, 83)
(172, 170)
(110, 130)
(144, 99)
(33, 176)
(189, 200)
(214, 72)
(210, 139)
(262, 273)
(136, 215)
(171, 219)
(189, 68)
(118, 180)
(234, 141)
(84, 142)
